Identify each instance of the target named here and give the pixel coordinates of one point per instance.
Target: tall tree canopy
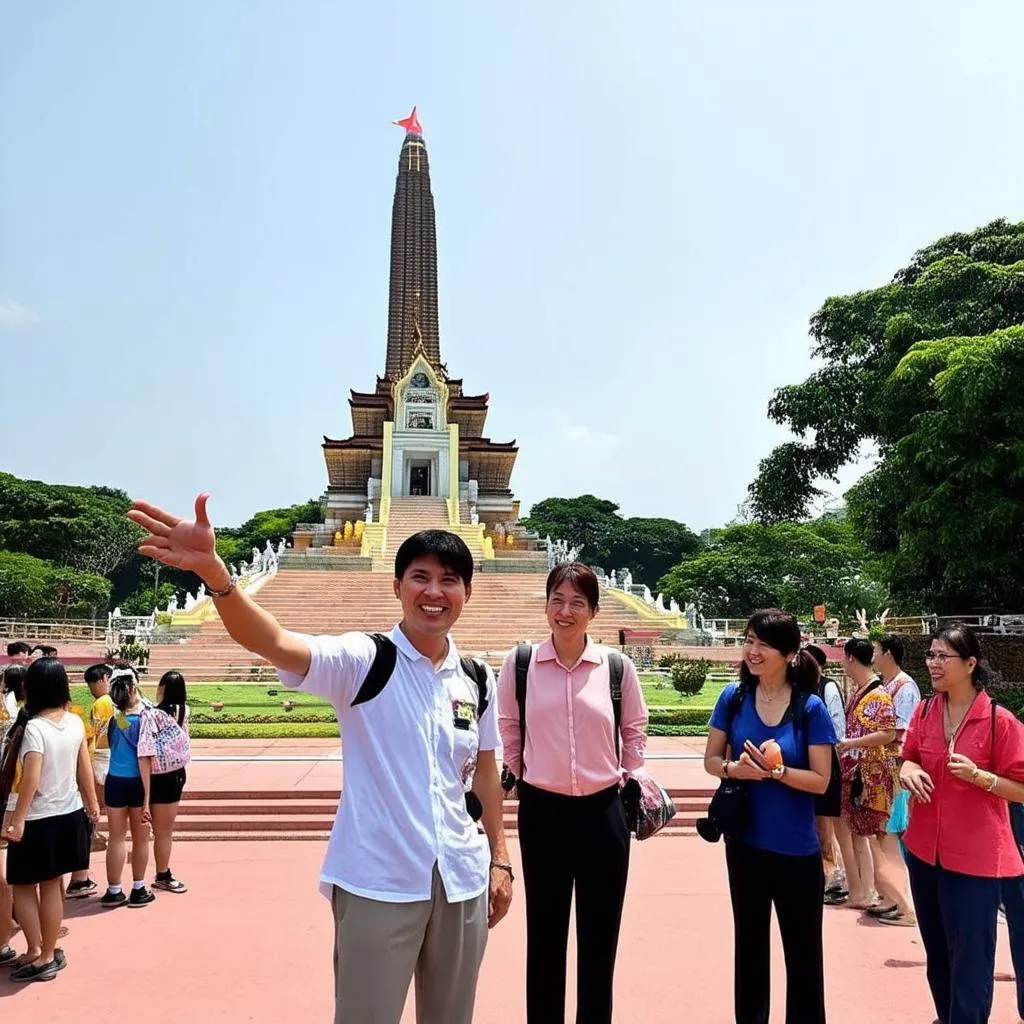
(794, 566)
(924, 369)
(647, 547)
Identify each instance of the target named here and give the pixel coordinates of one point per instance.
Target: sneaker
(111, 900)
(79, 890)
(36, 972)
(140, 897)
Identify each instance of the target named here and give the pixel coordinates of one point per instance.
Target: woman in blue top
(776, 861)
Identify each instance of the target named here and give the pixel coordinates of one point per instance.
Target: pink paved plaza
(251, 940)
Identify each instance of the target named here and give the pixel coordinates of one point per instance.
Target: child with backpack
(126, 795)
(166, 787)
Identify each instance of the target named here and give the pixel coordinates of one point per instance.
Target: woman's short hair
(580, 577)
(965, 642)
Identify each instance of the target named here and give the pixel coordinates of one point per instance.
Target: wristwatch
(778, 771)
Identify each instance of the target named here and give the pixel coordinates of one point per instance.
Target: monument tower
(416, 434)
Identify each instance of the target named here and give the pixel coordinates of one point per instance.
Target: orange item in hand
(772, 753)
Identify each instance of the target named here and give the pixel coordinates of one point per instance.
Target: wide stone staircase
(504, 608)
(307, 815)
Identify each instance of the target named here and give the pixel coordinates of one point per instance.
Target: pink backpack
(161, 738)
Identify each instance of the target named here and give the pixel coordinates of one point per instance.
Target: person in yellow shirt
(97, 677)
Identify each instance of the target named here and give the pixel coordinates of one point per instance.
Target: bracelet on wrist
(993, 782)
(232, 583)
(504, 866)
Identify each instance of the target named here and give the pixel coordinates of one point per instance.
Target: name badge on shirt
(464, 713)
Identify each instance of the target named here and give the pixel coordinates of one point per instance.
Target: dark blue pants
(1013, 904)
(957, 915)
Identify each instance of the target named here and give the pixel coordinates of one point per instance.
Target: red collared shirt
(964, 828)
(570, 731)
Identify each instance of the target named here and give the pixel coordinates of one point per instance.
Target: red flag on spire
(411, 124)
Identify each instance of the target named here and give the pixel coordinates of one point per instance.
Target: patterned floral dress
(867, 813)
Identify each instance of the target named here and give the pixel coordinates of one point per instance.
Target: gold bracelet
(992, 785)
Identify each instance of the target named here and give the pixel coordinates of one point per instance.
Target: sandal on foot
(170, 885)
(7, 954)
(880, 911)
(898, 919)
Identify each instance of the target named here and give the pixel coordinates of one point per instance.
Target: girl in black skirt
(46, 761)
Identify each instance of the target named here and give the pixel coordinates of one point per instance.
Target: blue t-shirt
(781, 818)
(124, 758)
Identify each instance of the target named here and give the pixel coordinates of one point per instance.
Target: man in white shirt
(411, 880)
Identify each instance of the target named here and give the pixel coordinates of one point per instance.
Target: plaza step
(503, 610)
(307, 815)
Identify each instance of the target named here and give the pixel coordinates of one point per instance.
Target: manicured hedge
(688, 716)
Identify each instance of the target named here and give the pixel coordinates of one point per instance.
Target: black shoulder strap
(524, 654)
(380, 670)
(992, 748)
(615, 669)
(477, 671)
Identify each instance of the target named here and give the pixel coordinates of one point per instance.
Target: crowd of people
(59, 765)
(926, 832)
(855, 794)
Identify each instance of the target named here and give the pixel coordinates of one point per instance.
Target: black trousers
(568, 842)
(957, 916)
(759, 880)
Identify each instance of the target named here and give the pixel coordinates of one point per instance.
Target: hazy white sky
(639, 207)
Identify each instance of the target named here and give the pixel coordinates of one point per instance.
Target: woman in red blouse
(573, 833)
(963, 758)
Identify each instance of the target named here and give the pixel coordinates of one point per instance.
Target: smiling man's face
(432, 596)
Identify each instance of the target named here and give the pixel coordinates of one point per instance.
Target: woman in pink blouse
(963, 759)
(572, 823)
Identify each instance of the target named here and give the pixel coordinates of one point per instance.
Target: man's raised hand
(178, 542)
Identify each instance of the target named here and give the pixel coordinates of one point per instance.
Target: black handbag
(729, 810)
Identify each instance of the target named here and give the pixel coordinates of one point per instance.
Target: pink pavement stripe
(251, 942)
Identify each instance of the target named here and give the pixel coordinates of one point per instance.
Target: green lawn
(252, 711)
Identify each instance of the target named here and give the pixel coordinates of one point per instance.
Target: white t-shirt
(410, 754)
(59, 742)
(833, 698)
(11, 703)
(905, 698)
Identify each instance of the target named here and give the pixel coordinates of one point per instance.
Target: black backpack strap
(477, 671)
(524, 654)
(382, 667)
(992, 749)
(615, 669)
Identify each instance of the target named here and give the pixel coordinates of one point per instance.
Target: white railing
(91, 630)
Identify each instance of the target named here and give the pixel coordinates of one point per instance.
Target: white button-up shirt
(409, 754)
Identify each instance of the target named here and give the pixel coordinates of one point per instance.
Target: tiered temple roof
(413, 330)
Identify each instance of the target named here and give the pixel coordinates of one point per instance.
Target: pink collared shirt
(570, 724)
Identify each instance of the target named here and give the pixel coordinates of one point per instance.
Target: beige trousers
(380, 947)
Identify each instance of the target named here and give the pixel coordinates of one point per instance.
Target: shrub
(668, 660)
(688, 677)
(679, 716)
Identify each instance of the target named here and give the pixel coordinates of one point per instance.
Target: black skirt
(50, 848)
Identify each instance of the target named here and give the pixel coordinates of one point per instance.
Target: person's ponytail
(9, 760)
(803, 672)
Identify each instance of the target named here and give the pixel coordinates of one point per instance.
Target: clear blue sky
(639, 206)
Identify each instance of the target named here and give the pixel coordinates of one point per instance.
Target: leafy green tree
(80, 527)
(588, 522)
(649, 548)
(965, 285)
(946, 507)
(787, 565)
(31, 586)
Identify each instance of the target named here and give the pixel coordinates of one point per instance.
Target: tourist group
(856, 795)
(57, 765)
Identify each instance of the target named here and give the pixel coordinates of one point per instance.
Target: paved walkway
(251, 941)
(285, 764)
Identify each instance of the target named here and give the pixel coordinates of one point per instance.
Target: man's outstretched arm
(192, 546)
